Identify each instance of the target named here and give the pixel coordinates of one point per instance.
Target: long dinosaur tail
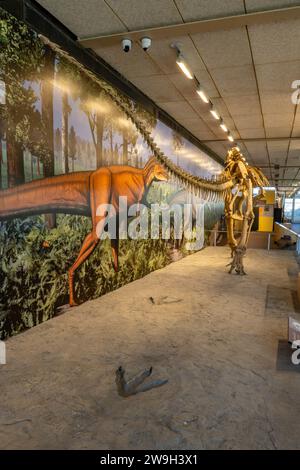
(65, 193)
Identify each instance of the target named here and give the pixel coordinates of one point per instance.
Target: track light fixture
(214, 113)
(223, 126)
(180, 61)
(202, 94)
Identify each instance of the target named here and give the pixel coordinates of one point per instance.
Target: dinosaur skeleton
(87, 189)
(239, 203)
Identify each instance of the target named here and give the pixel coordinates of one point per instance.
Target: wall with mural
(54, 120)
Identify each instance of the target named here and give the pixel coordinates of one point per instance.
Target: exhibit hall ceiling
(244, 55)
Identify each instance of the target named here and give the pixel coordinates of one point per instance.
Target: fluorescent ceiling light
(214, 113)
(223, 127)
(230, 138)
(202, 94)
(182, 64)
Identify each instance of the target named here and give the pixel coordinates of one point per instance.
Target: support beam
(194, 27)
(281, 167)
(252, 139)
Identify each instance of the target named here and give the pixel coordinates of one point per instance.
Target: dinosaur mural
(82, 193)
(105, 138)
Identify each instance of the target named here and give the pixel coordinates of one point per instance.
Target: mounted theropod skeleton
(82, 192)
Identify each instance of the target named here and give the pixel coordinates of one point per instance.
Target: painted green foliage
(34, 260)
(21, 59)
(34, 264)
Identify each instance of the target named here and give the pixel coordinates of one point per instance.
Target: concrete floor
(214, 336)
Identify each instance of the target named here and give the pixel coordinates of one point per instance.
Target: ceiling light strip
(181, 62)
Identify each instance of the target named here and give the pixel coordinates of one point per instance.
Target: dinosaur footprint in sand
(134, 385)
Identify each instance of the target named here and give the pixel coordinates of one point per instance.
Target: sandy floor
(214, 336)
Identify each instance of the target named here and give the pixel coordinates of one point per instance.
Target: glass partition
(292, 209)
(288, 209)
(296, 214)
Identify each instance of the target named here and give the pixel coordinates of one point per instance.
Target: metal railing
(291, 232)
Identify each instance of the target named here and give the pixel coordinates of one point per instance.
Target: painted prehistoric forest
(55, 120)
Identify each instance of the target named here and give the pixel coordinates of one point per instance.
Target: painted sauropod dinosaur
(82, 193)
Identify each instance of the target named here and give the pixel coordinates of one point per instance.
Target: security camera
(146, 43)
(126, 45)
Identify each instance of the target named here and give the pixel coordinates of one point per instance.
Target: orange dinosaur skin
(82, 193)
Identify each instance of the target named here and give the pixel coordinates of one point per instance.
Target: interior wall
(54, 120)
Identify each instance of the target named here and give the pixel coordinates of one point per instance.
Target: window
(288, 208)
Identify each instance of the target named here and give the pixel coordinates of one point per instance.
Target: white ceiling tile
(165, 56)
(296, 131)
(219, 148)
(212, 123)
(186, 87)
(180, 110)
(240, 105)
(224, 48)
(252, 133)
(192, 10)
(278, 131)
(297, 117)
(221, 107)
(260, 5)
(134, 64)
(203, 135)
(207, 83)
(257, 150)
(277, 150)
(158, 87)
(95, 20)
(295, 145)
(235, 81)
(272, 102)
(195, 123)
(278, 145)
(201, 108)
(278, 120)
(137, 14)
(275, 42)
(277, 78)
(248, 122)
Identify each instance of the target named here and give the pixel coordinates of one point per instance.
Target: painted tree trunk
(1, 162)
(15, 161)
(65, 130)
(47, 116)
(47, 109)
(99, 139)
(125, 147)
